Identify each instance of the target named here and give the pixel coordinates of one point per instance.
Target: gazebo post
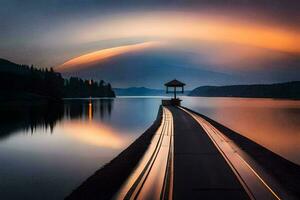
(174, 92)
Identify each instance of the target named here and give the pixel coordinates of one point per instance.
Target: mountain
(141, 91)
(138, 91)
(289, 90)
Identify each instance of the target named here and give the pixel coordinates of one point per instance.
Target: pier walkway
(200, 171)
(189, 159)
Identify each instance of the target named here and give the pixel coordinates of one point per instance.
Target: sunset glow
(181, 25)
(253, 41)
(96, 56)
(150, 99)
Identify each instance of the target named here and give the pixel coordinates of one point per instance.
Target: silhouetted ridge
(279, 90)
(138, 91)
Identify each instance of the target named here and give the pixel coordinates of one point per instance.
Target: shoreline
(106, 181)
(247, 97)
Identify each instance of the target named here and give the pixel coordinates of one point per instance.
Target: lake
(274, 124)
(47, 151)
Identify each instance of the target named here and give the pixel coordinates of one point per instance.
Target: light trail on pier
(153, 177)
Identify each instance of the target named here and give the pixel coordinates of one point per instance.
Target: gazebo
(174, 84)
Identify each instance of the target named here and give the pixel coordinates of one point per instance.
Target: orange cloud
(90, 58)
(201, 27)
(239, 41)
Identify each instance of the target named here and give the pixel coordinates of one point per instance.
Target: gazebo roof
(174, 83)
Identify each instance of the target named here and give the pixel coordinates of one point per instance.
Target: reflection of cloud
(100, 55)
(96, 134)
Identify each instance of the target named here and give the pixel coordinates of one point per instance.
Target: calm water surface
(46, 151)
(274, 124)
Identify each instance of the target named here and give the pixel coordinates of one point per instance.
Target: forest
(29, 82)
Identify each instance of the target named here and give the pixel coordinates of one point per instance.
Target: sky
(146, 43)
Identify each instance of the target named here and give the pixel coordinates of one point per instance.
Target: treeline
(76, 87)
(22, 81)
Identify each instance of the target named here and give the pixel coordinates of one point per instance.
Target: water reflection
(274, 124)
(97, 134)
(28, 118)
(48, 150)
(85, 108)
(90, 111)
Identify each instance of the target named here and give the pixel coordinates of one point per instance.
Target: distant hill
(289, 90)
(141, 91)
(138, 91)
